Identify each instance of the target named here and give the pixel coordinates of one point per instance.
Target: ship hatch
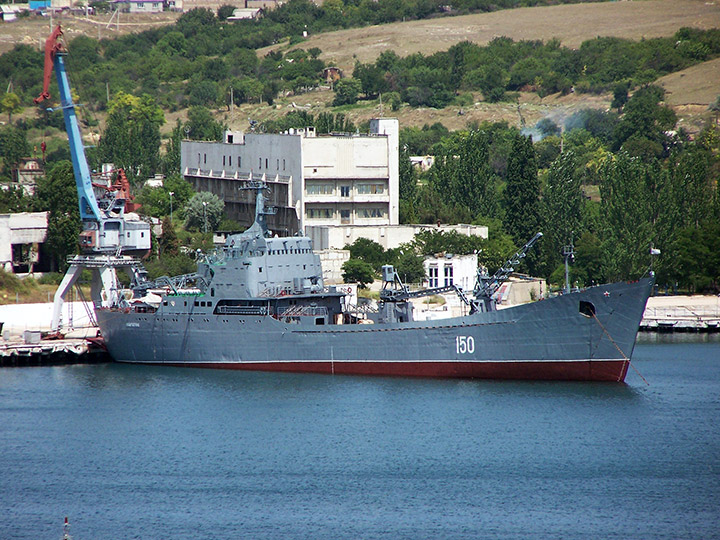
(587, 309)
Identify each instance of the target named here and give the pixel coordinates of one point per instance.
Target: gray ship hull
(586, 335)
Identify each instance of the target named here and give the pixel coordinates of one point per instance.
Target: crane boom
(54, 56)
(486, 285)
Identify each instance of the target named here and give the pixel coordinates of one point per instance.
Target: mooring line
(627, 360)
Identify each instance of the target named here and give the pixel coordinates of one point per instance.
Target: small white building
(244, 13)
(423, 163)
(458, 270)
(8, 12)
(20, 237)
(140, 6)
(27, 174)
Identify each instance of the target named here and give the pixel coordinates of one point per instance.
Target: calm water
(152, 453)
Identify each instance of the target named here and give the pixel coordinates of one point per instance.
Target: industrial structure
(108, 233)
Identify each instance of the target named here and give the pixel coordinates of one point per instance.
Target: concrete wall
(332, 261)
(337, 237)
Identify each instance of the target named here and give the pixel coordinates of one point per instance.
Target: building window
(223, 161)
(345, 217)
(448, 275)
(372, 212)
(370, 189)
(319, 188)
(266, 163)
(344, 191)
(239, 162)
(319, 213)
(278, 165)
(204, 158)
(260, 163)
(433, 276)
(283, 164)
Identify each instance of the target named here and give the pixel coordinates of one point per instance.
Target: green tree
(358, 271)
(131, 139)
(169, 244)
(408, 264)
(630, 211)
(13, 146)
(696, 252)
(620, 95)
(369, 251)
(13, 199)
(171, 159)
(346, 92)
(57, 193)
(562, 208)
(225, 11)
(201, 126)
(10, 104)
(371, 77)
(247, 89)
(522, 192)
(642, 131)
(204, 212)
(155, 201)
(491, 79)
(408, 176)
(463, 175)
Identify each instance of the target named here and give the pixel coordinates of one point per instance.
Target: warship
(259, 303)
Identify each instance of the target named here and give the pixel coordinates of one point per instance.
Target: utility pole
(569, 254)
(171, 196)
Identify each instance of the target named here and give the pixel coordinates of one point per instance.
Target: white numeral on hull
(464, 344)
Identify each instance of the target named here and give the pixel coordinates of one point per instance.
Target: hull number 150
(464, 344)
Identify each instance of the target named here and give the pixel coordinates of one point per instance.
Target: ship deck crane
(486, 286)
(109, 235)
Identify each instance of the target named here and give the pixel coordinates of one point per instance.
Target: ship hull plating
(588, 335)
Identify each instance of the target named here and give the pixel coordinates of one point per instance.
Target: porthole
(587, 309)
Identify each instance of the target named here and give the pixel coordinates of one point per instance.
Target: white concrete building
(244, 13)
(140, 6)
(20, 237)
(459, 270)
(347, 179)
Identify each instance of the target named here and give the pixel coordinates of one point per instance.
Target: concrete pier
(51, 353)
(24, 325)
(682, 314)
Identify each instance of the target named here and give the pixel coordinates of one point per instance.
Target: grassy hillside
(571, 24)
